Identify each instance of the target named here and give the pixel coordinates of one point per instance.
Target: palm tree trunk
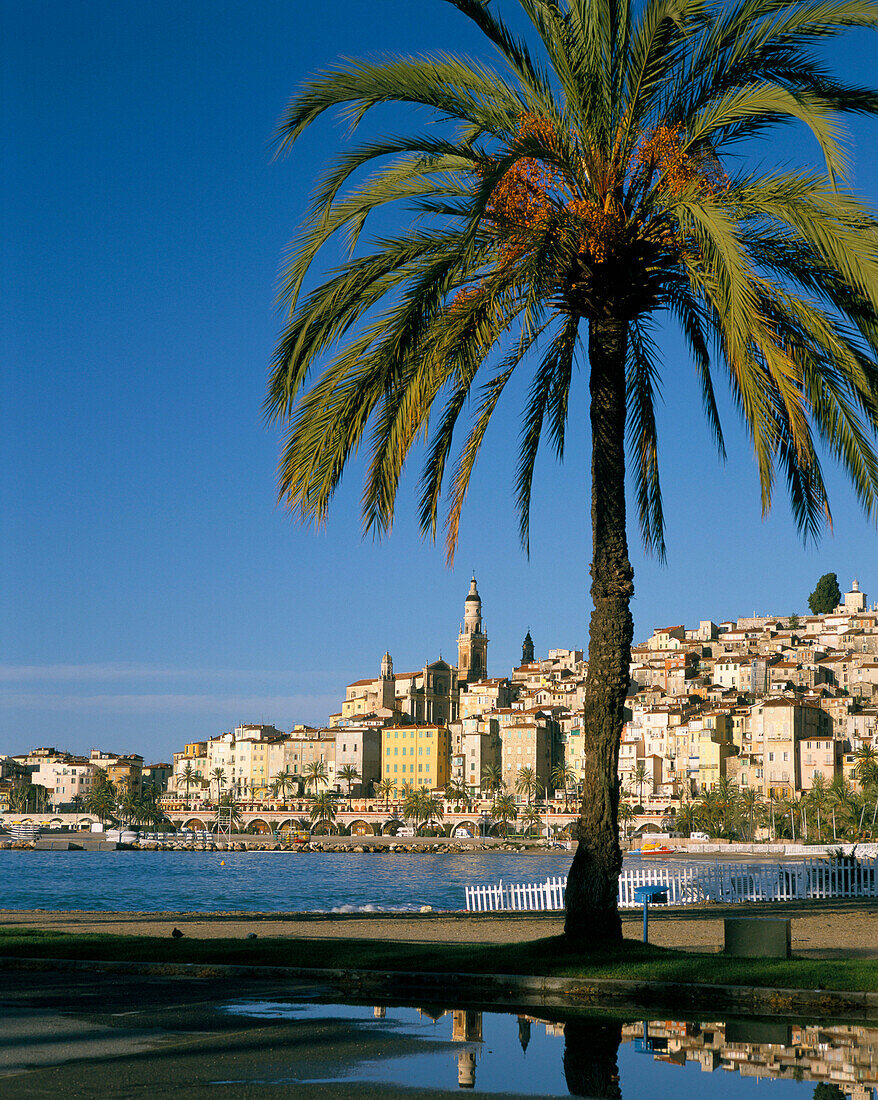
(592, 885)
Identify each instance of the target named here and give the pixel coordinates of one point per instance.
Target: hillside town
(761, 710)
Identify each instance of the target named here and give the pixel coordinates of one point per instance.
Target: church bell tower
(387, 686)
(472, 642)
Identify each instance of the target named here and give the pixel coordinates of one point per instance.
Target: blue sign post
(647, 894)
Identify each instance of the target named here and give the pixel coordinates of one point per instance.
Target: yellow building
(194, 757)
(124, 772)
(714, 749)
(416, 756)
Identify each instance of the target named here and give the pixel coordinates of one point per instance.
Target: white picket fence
(687, 884)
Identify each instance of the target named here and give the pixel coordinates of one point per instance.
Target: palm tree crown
(591, 188)
(566, 198)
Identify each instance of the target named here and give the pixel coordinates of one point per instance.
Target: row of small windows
(421, 751)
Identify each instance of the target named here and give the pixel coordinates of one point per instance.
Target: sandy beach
(830, 929)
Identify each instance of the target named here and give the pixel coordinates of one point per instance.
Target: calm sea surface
(268, 882)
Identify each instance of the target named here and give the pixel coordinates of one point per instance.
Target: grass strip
(548, 957)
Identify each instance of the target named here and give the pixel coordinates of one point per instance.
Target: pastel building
(416, 756)
(526, 743)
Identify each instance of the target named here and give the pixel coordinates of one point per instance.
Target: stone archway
(465, 829)
(360, 827)
(391, 827)
(196, 823)
(258, 826)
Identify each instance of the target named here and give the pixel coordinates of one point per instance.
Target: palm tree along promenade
(761, 727)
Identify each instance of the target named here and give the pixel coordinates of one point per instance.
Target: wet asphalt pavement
(97, 1037)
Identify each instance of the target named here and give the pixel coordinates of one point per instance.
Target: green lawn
(544, 957)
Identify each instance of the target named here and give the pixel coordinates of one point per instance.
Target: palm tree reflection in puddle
(591, 1058)
(591, 1053)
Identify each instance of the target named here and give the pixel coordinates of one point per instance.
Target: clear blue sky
(153, 592)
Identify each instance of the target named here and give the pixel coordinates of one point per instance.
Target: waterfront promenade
(821, 930)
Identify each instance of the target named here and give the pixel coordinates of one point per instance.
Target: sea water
(341, 881)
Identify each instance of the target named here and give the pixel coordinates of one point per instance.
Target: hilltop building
(430, 695)
(472, 642)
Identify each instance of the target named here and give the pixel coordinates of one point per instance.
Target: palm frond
(642, 388)
(549, 393)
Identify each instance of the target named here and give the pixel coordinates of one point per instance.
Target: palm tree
(686, 818)
(188, 775)
(385, 789)
(130, 805)
(562, 202)
(218, 776)
(866, 765)
(626, 816)
(844, 804)
(530, 818)
(640, 776)
(19, 795)
(564, 777)
(709, 811)
(526, 782)
(229, 809)
(349, 774)
(504, 810)
(434, 810)
(102, 797)
(458, 793)
(729, 800)
(492, 778)
(148, 809)
(283, 784)
(420, 807)
(323, 808)
(316, 773)
(817, 799)
(749, 804)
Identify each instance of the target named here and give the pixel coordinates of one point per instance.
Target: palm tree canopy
(316, 773)
(866, 766)
(323, 806)
(588, 181)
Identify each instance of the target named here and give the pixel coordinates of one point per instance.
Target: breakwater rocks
(450, 846)
(96, 842)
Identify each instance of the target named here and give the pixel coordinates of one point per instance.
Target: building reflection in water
(466, 1027)
(841, 1059)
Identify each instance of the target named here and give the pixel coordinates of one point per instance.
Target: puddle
(524, 1055)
